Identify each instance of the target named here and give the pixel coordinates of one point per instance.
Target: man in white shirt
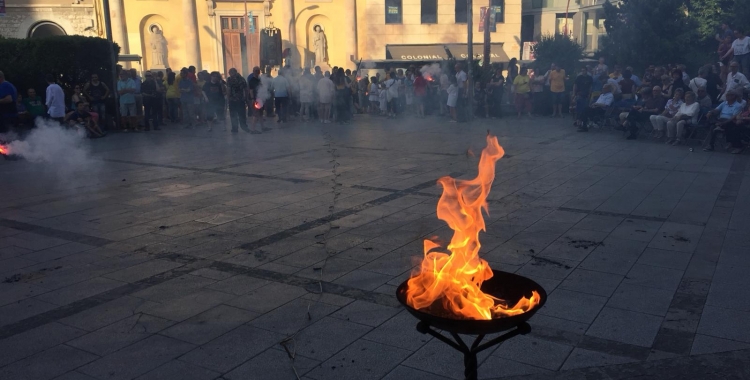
(598, 108)
(741, 50)
(736, 81)
(55, 100)
(687, 114)
(699, 81)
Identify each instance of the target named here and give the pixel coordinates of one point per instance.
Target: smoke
(431, 71)
(64, 151)
(261, 92)
(367, 65)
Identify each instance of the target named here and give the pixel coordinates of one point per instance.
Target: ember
(454, 280)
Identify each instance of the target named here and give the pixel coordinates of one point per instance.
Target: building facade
(42, 18)
(583, 20)
(212, 34)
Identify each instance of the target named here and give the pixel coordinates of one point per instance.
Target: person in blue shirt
(8, 102)
(187, 87)
(726, 112)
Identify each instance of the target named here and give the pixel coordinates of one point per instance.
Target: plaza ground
(195, 255)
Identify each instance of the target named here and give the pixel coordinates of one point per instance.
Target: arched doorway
(46, 29)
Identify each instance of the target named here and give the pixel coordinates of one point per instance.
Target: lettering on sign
(420, 57)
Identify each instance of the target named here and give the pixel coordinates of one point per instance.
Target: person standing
(741, 51)
(138, 96)
(305, 95)
(214, 92)
(173, 97)
(257, 94)
(463, 92)
(420, 93)
(496, 88)
(55, 100)
(126, 90)
(237, 95)
(326, 90)
(601, 68)
(34, 105)
(187, 93)
(521, 90)
(557, 88)
(582, 90)
(8, 106)
(736, 81)
(149, 92)
(161, 90)
(281, 92)
(97, 94)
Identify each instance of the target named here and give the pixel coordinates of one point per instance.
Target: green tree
(643, 32)
(558, 49)
(709, 15)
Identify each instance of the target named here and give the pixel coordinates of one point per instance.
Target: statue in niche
(267, 8)
(158, 48)
(211, 5)
(320, 45)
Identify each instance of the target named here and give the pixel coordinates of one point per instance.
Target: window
(589, 32)
(536, 4)
(393, 11)
(601, 30)
(499, 7)
(461, 12)
(46, 29)
(429, 11)
(564, 26)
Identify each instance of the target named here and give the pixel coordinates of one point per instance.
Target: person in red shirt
(420, 92)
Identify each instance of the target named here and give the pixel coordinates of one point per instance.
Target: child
(374, 96)
(383, 97)
(452, 98)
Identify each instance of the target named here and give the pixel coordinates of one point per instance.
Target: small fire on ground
(454, 279)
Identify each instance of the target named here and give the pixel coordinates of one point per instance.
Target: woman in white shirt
(687, 114)
(741, 50)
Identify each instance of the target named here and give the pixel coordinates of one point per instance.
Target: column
(192, 44)
(350, 24)
(119, 29)
(288, 28)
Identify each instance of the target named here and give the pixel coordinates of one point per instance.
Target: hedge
(72, 59)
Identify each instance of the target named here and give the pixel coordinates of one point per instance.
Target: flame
(455, 280)
(258, 105)
(428, 77)
(4, 150)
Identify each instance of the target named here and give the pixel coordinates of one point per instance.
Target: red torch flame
(257, 105)
(3, 150)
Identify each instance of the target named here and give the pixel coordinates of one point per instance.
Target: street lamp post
(470, 53)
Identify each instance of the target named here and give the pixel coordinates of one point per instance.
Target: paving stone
(47, 364)
(324, 338)
(665, 259)
(366, 313)
(238, 285)
(174, 288)
(721, 322)
(496, 367)
(530, 350)
(267, 298)
(403, 372)
(601, 223)
(144, 270)
(191, 304)
(574, 306)
(108, 313)
(654, 277)
(208, 325)
(677, 237)
(399, 331)
(704, 344)
(615, 256)
(23, 309)
(35, 340)
(120, 334)
(272, 364)
(362, 279)
(232, 349)
(641, 299)
(79, 291)
(625, 326)
(592, 282)
(361, 360)
(440, 359)
(179, 370)
(581, 358)
(293, 316)
(212, 274)
(137, 359)
(636, 229)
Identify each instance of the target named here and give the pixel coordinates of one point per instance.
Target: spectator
(736, 81)
(557, 87)
(601, 68)
(173, 97)
(521, 90)
(161, 90)
(582, 90)
(651, 106)
(34, 105)
(725, 58)
(306, 94)
(659, 122)
(703, 99)
(700, 80)
(126, 90)
(685, 76)
(598, 108)
(81, 118)
(677, 83)
(214, 93)
(635, 78)
(496, 87)
(420, 93)
(237, 95)
(374, 95)
(281, 90)
(137, 95)
(741, 50)
(714, 83)
(97, 93)
(616, 74)
(55, 100)
(326, 91)
(726, 112)
(187, 90)
(453, 99)
(736, 129)
(149, 93)
(254, 86)
(392, 84)
(78, 96)
(627, 85)
(8, 104)
(726, 32)
(687, 114)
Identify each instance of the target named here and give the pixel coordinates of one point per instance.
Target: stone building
(41, 18)
(584, 20)
(211, 35)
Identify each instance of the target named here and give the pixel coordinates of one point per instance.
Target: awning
(416, 52)
(497, 54)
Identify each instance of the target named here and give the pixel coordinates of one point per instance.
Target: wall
(22, 15)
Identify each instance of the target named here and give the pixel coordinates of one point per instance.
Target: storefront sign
(529, 53)
(492, 21)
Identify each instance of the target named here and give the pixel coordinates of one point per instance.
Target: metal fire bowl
(508, 286)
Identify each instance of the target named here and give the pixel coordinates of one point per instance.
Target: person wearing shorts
(126, 90)
(214, 92)
(557, 87)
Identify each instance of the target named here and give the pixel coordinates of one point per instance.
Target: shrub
(72, 59)
(557, 49)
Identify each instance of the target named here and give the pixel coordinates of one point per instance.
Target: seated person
(627, 85)
(81, 117)
(597, 108)
(687, 114)
(641, 113)
(643, 95)
(738, 128)
(659, 122)
(34, 105)
(704, 100)
(725, 113)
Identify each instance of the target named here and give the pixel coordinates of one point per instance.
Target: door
(240, 52)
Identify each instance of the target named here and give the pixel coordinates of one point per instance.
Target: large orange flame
(455, 279)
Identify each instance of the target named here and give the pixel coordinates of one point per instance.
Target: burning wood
(454, 280)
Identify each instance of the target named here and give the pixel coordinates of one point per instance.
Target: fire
(258, 105)
(455, 280)
(428, 77)
(4, 150)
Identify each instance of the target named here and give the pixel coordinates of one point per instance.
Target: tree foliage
(643, 32)
(558, 49)
(72, 59)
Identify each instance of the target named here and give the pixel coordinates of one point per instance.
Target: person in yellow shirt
(521, 89)
(173, 96)
(557, 87)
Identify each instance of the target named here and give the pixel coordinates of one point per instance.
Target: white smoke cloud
(431, 71)
(262, 92)
(63, 151)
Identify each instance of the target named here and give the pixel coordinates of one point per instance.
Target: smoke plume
(431, 71)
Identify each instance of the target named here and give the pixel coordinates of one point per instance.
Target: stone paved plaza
(195, 255)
